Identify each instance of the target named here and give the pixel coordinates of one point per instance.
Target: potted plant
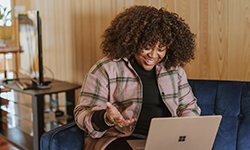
(5, 31)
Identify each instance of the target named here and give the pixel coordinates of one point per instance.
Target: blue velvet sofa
(231, 99)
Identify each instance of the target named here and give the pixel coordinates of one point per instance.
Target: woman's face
(148, 58)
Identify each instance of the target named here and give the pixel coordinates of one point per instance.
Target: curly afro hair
(140, 27)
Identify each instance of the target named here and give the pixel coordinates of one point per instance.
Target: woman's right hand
(115, 117)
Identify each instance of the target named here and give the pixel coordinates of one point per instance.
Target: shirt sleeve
(93, 97)
(98, 121)
(187, 101)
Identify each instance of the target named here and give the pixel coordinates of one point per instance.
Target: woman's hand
(115, 117)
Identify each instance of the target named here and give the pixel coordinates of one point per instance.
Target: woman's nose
(153, 53)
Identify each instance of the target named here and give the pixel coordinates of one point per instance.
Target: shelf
(13, 121)
(56, 123)
(17, 108)
(21, 111)
(16, 97)
(26, 100)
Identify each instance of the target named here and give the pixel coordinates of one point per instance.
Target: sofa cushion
(205, 91)
(243, 141)
(220, 98)
(228, 105)
(67, 137)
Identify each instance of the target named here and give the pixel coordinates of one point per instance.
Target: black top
(152, 105)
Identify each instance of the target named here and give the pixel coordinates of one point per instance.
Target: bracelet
(106, 121)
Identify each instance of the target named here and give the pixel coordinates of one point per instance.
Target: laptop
(180, 133)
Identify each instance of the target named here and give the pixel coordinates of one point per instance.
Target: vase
(5, 32)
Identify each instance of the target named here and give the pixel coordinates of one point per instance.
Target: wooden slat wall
(72, 34)
(238, 39)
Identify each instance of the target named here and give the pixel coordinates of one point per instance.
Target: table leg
(5, 70)
(16, 65)
(70, 98)
(38, 120)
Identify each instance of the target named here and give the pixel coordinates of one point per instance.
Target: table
(38, 111)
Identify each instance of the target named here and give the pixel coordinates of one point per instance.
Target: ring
(112, 119)
(120, 126)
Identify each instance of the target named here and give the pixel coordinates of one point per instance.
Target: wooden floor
(5, 145)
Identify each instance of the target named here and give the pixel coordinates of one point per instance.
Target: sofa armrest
(66, 137)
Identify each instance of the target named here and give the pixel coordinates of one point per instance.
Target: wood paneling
(239, 39)
(168, 4)
(72, 34)
(202, 58)
(218, 40)
(142, 2)
(189, 11)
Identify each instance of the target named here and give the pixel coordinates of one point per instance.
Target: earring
(166, 56)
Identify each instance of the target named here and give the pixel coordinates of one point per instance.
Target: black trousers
(121, 144)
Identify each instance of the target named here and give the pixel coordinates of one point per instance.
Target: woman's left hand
(114, 116)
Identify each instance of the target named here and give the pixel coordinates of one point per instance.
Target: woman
(139, 78)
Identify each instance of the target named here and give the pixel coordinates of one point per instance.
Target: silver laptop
(180, 133)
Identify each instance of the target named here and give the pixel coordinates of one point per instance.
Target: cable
(50, 72)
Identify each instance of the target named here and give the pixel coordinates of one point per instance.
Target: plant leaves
(8, 13)
(1, 16)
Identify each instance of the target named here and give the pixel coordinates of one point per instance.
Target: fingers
(115, 116)
(112, 112)
(112, 109)
(109, 105)
(127, 122)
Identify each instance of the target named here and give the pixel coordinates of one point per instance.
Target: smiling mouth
(149, 61)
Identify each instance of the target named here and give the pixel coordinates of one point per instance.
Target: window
(5, 3)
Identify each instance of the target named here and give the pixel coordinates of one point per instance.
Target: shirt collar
(158, 68)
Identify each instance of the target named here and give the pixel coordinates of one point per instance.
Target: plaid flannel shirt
(117, 82)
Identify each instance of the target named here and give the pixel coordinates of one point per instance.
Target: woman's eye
(161, 50)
